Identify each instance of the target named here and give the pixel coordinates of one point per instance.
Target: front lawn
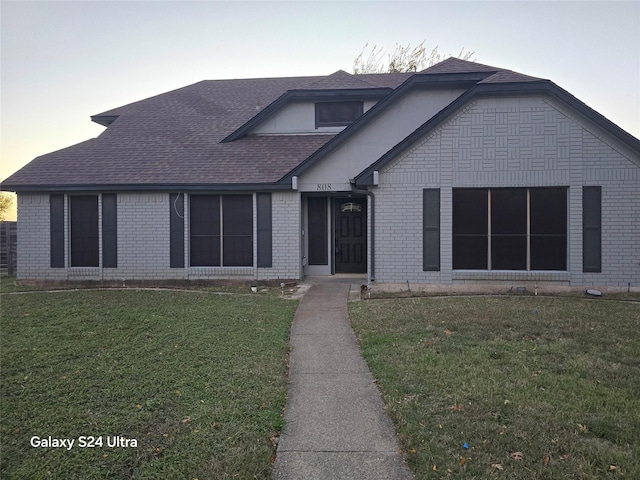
(197, 379)
(509, 387)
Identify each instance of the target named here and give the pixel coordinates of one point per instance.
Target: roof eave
(169, 187)
(104, 120)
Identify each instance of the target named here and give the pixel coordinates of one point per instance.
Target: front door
(350, 235)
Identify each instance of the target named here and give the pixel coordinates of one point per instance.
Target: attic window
(337, 114)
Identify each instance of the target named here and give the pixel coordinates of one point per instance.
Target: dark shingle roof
(154, 158)
(507, 76)
(456, 65)
(497, 75)
(340, 80)
(176, 138)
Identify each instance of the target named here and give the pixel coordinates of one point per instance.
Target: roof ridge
(456, 65)
(339, 80)
(453, 65)
(508, 76)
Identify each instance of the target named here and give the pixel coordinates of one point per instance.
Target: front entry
(350, 236)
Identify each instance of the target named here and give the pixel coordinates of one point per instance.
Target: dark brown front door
(351, 235)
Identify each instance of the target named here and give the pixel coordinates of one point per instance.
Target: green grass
(199, 380)
(9, 284)
(559, 388)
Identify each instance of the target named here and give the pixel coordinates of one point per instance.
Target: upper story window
(337, 114)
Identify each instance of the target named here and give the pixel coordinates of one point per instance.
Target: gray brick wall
(287, 256)
(143, 238)
(34, 247)
(514, 142)
(143, 242)
(529, 142)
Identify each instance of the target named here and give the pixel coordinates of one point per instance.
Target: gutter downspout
(369, 193)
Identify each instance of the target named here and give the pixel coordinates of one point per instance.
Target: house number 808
(324, 187)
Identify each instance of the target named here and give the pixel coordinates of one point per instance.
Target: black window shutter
(265, 232)
(431, 230)
(109, 231)
(317, 230)
(56, 225)
(176, 230)
(591, 229)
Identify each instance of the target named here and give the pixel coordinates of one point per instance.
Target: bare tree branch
(403, 59)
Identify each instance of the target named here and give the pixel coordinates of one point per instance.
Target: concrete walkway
(335, 424)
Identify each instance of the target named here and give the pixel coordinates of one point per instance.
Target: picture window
(221, 230)
(510, 229)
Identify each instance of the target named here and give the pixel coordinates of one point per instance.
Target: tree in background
(403, 59)
(6, 200)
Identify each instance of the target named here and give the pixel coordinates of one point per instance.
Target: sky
(63, 61)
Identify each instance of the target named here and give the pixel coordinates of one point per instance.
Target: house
(460, 174)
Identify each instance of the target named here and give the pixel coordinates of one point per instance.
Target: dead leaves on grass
(516, 455)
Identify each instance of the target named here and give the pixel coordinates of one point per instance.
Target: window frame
(84, 231)
(490, 239)
(222, 233)
(205, 229)
(321, 123)
(237, 230)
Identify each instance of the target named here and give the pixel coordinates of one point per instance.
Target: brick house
(460, 174)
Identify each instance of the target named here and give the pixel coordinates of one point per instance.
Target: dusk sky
(64, 61)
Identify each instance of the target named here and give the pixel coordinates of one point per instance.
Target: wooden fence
(8, 248)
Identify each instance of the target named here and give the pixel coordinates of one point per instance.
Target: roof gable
(304, 95)
(538, 87)
(436, 81)
(339, 86)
